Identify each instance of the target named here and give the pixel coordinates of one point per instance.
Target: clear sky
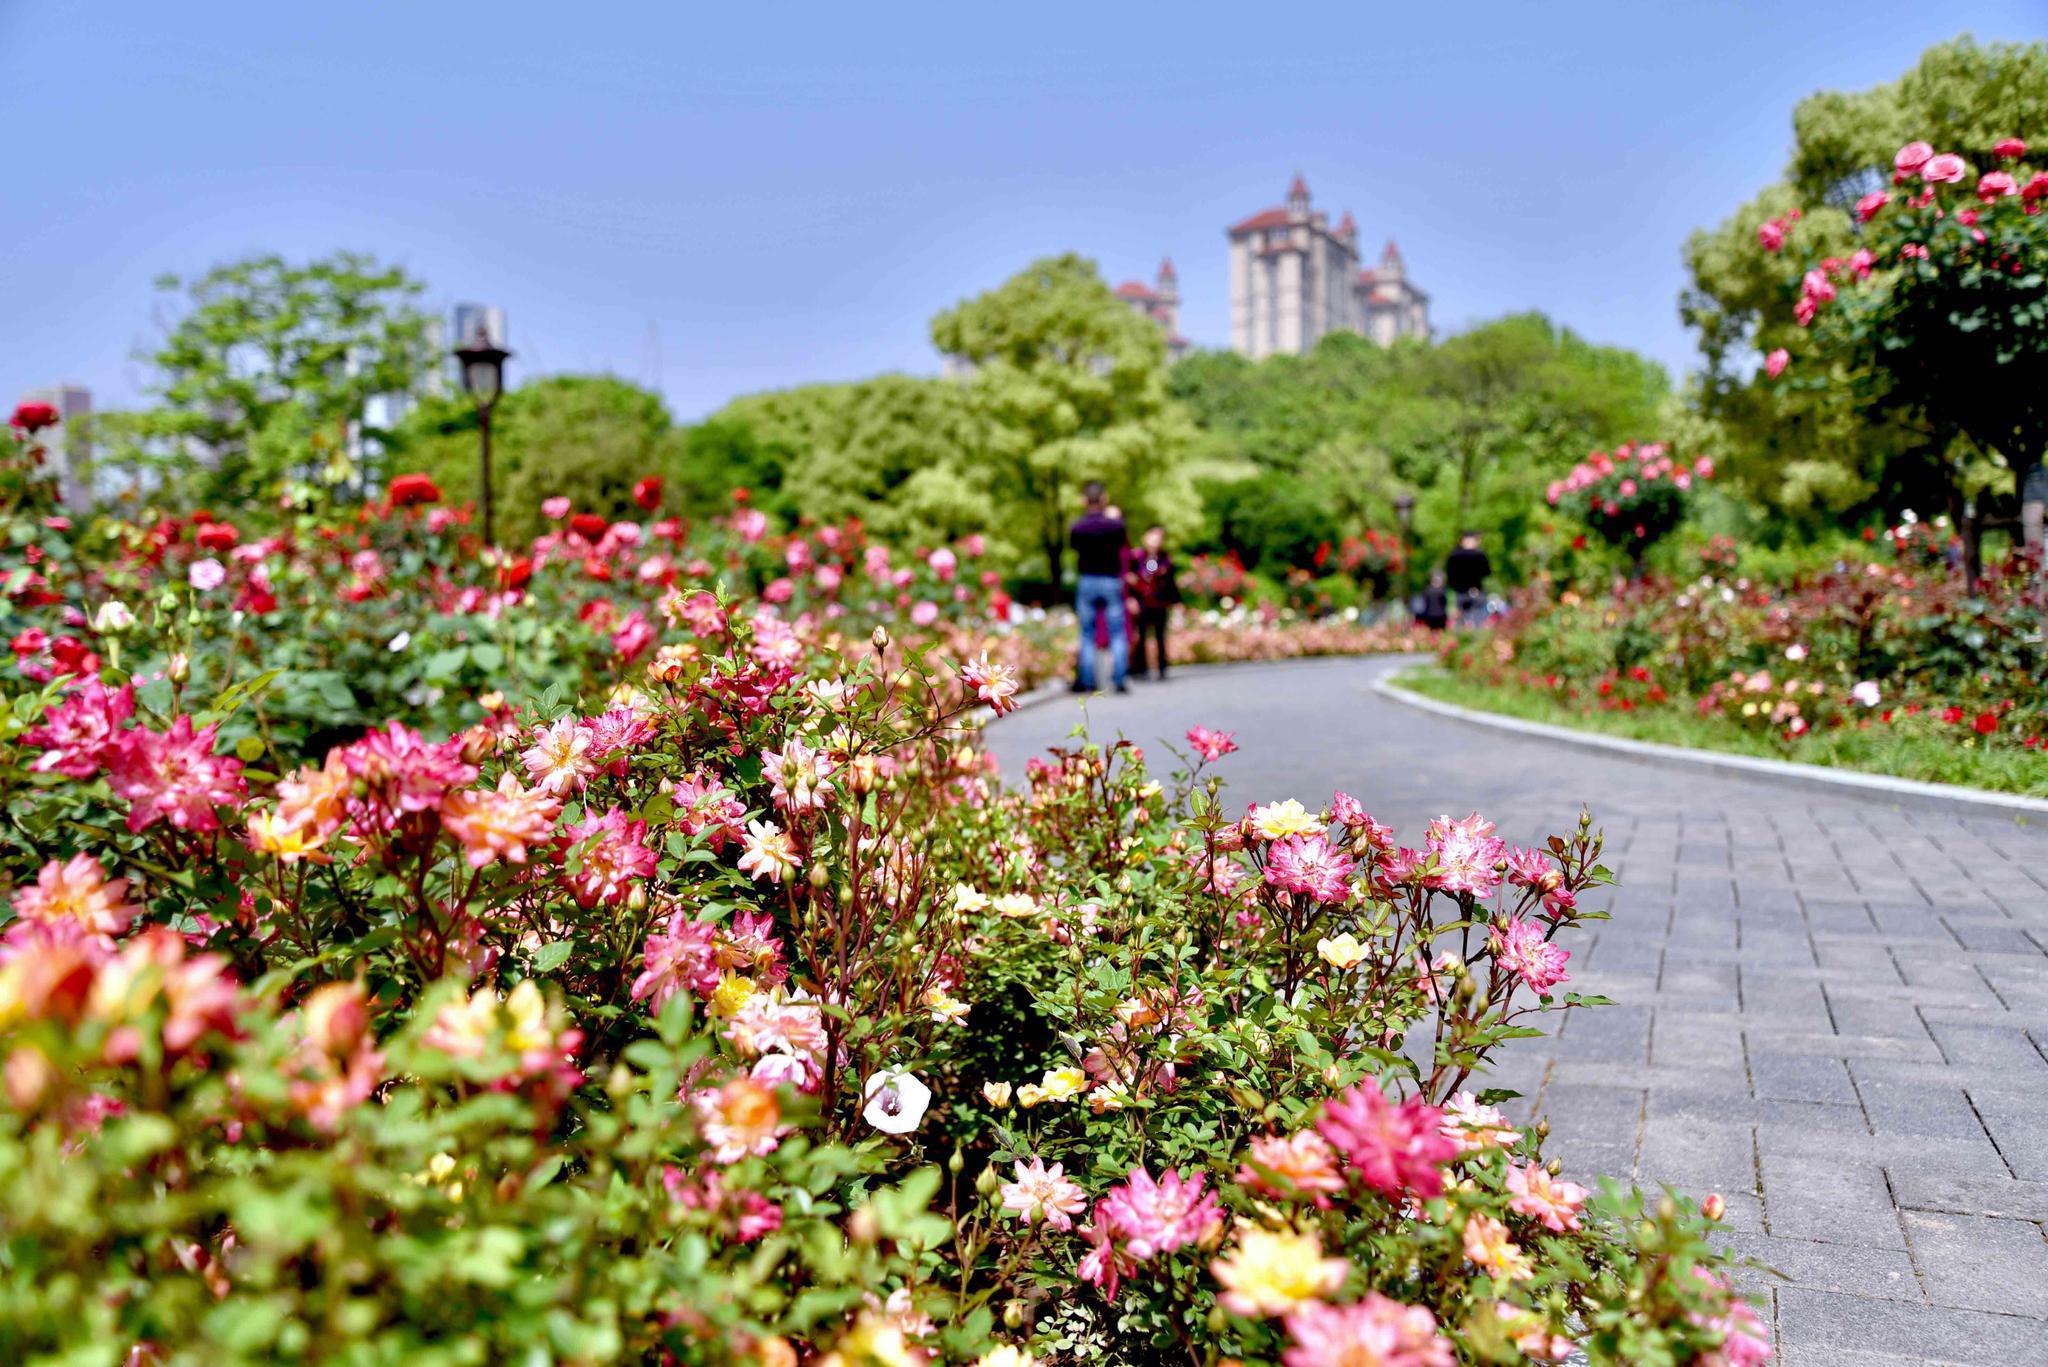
(725, 198)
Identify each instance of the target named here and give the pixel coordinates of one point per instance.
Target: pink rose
(2012, 149)
(1911, 158)
(555, 508)
(1771, 234)
(1868, 207)
(1860, 263)
(1775, 363)
(1996, 185)
(924, 614)
(1945, 169)
(1817, 286)
(1704, 467)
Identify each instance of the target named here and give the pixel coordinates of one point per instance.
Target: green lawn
(1918, 753)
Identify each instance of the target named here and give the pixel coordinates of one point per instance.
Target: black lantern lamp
(483, 379)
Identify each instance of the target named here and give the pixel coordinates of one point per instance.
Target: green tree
(895, 451)
(1821, 449)
(1068, 385)
(270, 370)
(589, 438)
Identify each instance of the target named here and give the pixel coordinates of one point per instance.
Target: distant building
(1294, 278)
(468, 319)
(66, 443)
(1159, 301)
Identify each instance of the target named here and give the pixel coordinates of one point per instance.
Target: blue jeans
(1099, 596)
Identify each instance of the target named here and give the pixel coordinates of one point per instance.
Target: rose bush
(1889, 663)
(718, 1004)
(1633, 498)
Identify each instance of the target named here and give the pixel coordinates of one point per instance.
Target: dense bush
(1883, 660)
(722, 1007)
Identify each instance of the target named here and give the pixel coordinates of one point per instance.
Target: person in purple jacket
(1098, 537)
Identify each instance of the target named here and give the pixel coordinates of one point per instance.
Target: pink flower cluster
(1143, 1217)
(1624, 472)
(1395, 1148)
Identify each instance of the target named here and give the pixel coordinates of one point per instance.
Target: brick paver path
(1830, 1010)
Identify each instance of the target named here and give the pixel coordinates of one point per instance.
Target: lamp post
(483, 379)
(1404, 512)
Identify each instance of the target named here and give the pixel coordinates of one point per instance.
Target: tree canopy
(1819, 449)
(590, 437)
(270, 369)
(1068, 385)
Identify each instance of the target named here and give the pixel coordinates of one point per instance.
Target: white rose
(896, 1101)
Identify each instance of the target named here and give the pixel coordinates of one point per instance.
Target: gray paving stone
(1973, 1262)
(1964, 1194)
(1883, 1272)
(1835, 1326)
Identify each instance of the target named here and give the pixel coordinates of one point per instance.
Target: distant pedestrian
(1466, 571)
(1099, 538)
(1155, 587)
(1432, 606)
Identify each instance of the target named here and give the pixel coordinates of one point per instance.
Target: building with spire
(1159, 301)
(1294, 278)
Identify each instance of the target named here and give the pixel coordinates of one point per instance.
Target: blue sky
(721, 199)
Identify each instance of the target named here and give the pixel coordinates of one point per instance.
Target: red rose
(217, 536)
(516, 574)
(2010, 148)
(589, 526)
(34, 417)
(410, 490)
(1985, 724)
(647, 493)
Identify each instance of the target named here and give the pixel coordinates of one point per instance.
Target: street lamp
(483, 379)
(1404, 513)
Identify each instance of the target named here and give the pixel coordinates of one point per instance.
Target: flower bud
(864, 1226)
(1667, 1209)
(28, 1074)
(1013, 1314)
(181, 667)
(112, 618)
(636, 897)
(957, 1162)
(989, 1182)
(880, 640)
(1713, 1207)
(1553, 1167)
(477, 744)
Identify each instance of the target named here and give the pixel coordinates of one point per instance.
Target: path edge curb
(1906, 791)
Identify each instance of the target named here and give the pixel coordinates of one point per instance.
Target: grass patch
(1900, 751)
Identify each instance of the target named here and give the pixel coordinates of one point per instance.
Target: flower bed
(738, 1014)
(1885, 665)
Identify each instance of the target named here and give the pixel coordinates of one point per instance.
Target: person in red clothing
(1155, 587)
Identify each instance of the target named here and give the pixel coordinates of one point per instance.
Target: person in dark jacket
(1099, 538)
(1432, 606)
(1466, 571)
(1155, 587)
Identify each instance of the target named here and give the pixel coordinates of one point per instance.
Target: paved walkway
(1832, 1011)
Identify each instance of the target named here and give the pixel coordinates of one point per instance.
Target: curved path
(1831, 1010)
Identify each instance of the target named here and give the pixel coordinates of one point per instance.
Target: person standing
(1432, 606)
(1155, 588)
(1098, 538)
(1466, 571)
